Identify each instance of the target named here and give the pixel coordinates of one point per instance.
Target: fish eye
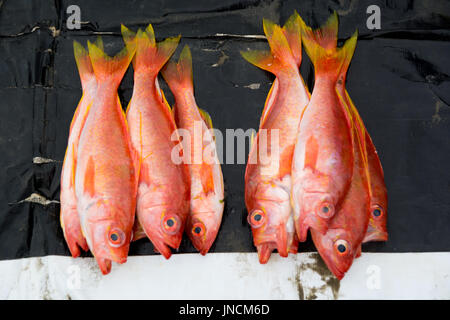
(341, 247)
(170, 224)
(116, 237)
(325, 210)
(256, 218)
(377, 212)
(198, 229)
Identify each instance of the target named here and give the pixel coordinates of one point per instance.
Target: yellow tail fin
(150, 55)
(279, 57)
(320, 45)
(292, 32)
(178, 75)
(106, 67)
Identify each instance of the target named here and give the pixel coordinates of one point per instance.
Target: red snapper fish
(341, 243)
(163, 190)
(198, 147)
(106, 178)
(322, 165)
(268, 183)
(70, 221)
(376, 230)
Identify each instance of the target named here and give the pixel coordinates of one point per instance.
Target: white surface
(228, 276)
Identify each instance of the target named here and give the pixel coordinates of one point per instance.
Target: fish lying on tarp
(206, 181)
(163, 191)
(268, 181)
(70, 221)
(105, 177)
(323, 159)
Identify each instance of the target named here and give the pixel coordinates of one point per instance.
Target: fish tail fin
(108, 68)
(83, 62)
(292, 32)
(279, 57)
(321, 47)
(326, 36)
(351, 45)
(152, 56)
(178, 75)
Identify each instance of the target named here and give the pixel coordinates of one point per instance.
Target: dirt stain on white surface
(315, 281)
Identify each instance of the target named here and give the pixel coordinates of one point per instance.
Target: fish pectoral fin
(89, 177)
(311, 153)
(207, 178)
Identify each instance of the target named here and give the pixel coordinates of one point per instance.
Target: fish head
(377, 230)
(317, 209)
(268, 222)
(204, 220)
(164, 226)
(202, 230)
(337, 248)
(108, 233)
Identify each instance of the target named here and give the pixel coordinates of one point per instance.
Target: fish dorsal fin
(164, 100)
(207, 169)
(74, 165)
(311, 153)
(269, 101)
(206, 118)
(89, 177)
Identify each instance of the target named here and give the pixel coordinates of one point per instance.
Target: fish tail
(292, 32)
(108, 68)
(83, 62)
(151, 56)
(326, 35)
(280, 56)
(178, 75)
(349, 55)
(321, 47)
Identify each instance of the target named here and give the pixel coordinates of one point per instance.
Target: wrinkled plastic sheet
(398, 79)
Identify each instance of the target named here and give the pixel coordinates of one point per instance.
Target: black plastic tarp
(398, 79)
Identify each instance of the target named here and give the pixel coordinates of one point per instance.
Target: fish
(377, 230)
(199, 152)
(106, 176)
(69, 219)
(268, 184)
(163, 189)
(322, 165)
(341, 243)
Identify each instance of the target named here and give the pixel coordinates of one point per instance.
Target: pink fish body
(341, 243)
(205, 173)
(163, 191)
(70, 221)
(105, 180)
(268, 181)
(323, 159)
(378, 202)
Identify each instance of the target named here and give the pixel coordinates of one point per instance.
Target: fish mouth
(319, 225)
(104, 265)
(163, 249)
(264, 251)
(336, 271)
(164, 246)
(375, 235)
(277, 240)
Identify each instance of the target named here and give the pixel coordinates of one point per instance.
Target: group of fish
(328, 178)
(119, 165)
